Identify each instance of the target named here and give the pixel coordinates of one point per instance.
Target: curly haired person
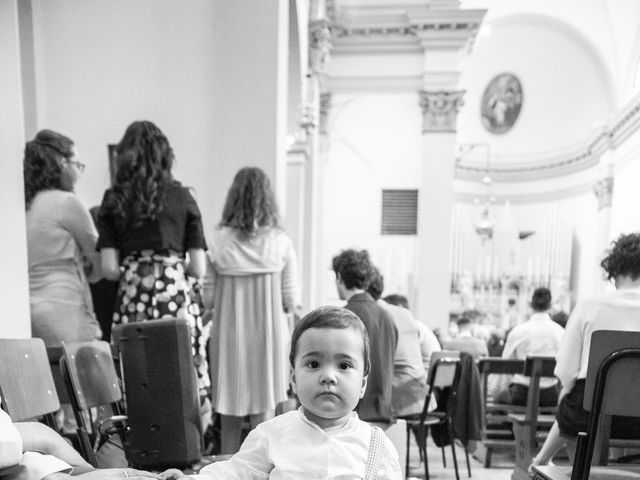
(616, 310)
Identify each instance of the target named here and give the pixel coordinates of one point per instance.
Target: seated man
(428, 341)
(409, 376)
(353, 271)
(538, 336)
(465, 341)
(39, 453)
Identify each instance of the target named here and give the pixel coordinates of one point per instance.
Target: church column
(446, 33)
(314, 123)
(435, 203)
(603, 190)
(249, 123)
(14, 288)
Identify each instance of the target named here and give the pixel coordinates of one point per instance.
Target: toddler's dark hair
(330, 317)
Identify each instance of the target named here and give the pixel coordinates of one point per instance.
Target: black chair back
(611, 388)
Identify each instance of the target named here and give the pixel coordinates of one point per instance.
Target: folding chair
(92, 383)
(444, 373)
(26, 384)
(611, 388)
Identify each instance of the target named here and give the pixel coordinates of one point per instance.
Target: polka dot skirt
(154, 285)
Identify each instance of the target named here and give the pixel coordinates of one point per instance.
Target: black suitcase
(161, 394)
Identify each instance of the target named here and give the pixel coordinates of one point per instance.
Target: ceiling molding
(375, 84)
(551, 165)
(529, 197)
(381, 29)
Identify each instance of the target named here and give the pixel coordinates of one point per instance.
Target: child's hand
(171, 474)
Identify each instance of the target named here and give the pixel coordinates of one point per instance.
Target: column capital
(603, 190)
(320, 35)
(325, 105)
(440, 110)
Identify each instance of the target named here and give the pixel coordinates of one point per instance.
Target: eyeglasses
(79, 165)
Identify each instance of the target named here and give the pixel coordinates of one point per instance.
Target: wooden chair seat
(619, 472)
(543, 419)
(26, 384)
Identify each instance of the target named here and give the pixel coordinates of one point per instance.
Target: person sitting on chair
(616, 310)
(465, 341)
(37, 453)
(538, 336)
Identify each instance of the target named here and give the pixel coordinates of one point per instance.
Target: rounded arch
(569, 31)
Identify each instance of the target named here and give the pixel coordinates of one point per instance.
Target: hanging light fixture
(484, 223)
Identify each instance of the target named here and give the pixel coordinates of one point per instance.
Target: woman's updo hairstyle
(42, 164)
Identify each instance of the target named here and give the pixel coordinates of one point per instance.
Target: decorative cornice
(370, 29)
(325, 105)
(586, 155)
(440, 110)
(603, 190)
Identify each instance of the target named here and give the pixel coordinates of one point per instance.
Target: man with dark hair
(354, 271)
(537, 336)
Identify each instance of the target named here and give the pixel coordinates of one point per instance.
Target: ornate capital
(325, 105)
(440, 110)
(319, 45)
(603, 190)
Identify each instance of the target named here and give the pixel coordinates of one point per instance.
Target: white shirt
(290, 446)
(618, 310)
(407, 359)
(538, 336)
(37, 466)
(428, 345)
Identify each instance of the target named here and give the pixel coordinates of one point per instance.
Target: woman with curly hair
(61, 240)
(255, 283)
(151, 238)
(616, 310)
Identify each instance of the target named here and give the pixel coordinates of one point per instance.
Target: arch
(570, 32)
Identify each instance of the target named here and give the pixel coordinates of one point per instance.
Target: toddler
(324, 438)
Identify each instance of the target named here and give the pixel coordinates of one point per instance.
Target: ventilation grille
(399, 212)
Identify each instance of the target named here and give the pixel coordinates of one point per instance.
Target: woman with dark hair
(151, 238)
(61, 240)
(616, 310)
(255, 283)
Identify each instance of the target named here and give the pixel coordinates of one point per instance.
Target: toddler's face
(328, 374)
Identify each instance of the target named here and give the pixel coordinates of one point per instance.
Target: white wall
(14, 282)
(101, 65)
(374, 145)
(626, 195)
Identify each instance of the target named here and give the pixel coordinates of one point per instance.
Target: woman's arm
(197, 266)
(77, 220)
(570, 353)
(290, 286)
(110, 263)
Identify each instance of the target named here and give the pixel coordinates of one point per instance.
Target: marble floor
(502, 465)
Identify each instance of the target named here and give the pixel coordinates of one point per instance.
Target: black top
(178, 227)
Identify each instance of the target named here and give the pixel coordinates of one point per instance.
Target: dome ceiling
(571, 62)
